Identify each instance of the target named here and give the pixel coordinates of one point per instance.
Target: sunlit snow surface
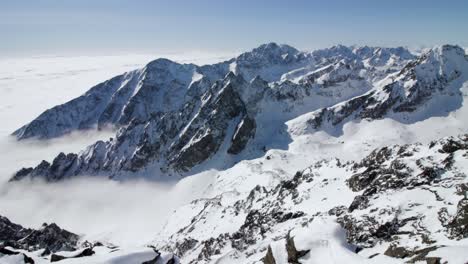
(134, 213)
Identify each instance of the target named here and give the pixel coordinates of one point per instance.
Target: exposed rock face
(244, 131)
(216, 117)
(293, 253)
(269, 258)
(49, 237)
(261, 210)
(458, 225)
(177, 141)
(84, 253)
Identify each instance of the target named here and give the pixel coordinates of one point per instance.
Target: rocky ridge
(176, 117)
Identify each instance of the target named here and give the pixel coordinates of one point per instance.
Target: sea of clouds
(129, 212)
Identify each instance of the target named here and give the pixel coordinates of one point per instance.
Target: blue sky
(116, 26)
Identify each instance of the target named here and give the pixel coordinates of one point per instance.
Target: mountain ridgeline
(176, 119)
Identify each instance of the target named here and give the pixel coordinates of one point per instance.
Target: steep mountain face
(427, 86)
(161, 86)
(404, 202)
(164, 86)
(174, 117)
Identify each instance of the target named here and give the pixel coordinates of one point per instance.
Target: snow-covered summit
(269, 53)
(443, 61)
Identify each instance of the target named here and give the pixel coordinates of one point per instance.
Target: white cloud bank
(124, 213)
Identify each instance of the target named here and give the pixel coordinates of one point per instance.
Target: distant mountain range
(173, 117)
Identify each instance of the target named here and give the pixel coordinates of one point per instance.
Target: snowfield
(321, 181)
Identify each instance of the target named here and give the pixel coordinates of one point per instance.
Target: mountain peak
(160, 62)
(449, 52)
(445, 60)
(269, 51)
(337, 50)
(273, 47)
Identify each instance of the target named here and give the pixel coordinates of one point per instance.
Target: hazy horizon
(55, 28)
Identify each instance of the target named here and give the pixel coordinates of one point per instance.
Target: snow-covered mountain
(174, 117)
(425, 87)
(285, 181)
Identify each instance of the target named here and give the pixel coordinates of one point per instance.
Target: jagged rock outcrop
(458, 225)
(84, 253)
(245, 130)
(49, 236)
(8, 252)
(293, 254)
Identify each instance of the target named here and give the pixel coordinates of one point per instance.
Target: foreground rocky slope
(400, 203)
(177, 119)
(50, 237)
(53, 244)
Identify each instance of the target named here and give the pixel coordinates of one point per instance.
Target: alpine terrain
(339, 155)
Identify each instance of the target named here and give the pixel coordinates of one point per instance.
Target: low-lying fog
(120, 212)
(128, 212)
